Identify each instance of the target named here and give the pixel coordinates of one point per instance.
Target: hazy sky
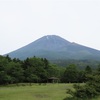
(24, 21)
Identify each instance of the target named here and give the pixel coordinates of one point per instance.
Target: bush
(83, 92)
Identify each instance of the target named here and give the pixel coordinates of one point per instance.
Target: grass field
(35, 92)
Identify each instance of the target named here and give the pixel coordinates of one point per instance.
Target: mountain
(54, 47)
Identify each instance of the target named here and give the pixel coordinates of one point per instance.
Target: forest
(39, 70)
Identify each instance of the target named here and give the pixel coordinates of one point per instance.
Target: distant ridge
(54, 47)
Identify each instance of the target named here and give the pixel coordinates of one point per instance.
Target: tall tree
(70, 74)
(16, 72)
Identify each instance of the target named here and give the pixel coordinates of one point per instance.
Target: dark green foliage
(15, 71)
(88, 70)
(8, 58)
(39, 70)
(30, 70)
(81, 78)
(3, 71)
(81, 64)
(85, 92)
(70, 74)
(90, 89)
(35, 66)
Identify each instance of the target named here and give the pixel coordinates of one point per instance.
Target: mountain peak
(53, 38)
(50, 36)
(51, 42)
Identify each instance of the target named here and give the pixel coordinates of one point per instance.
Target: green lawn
(35, 92)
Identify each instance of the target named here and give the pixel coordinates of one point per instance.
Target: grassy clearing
(35, 92)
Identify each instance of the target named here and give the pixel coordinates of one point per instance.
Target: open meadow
(35, 92)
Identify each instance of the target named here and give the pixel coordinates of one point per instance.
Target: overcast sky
(24, 21)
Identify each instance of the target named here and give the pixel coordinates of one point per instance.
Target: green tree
(32, 78)
(3, 73)
(70, 74)
(8, 58)
(16, 72)
(35, 66)
(88, 70)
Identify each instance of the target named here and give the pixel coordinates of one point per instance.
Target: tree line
(31, 70)
(39, 70)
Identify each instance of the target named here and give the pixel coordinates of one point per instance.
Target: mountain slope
(54, 47)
